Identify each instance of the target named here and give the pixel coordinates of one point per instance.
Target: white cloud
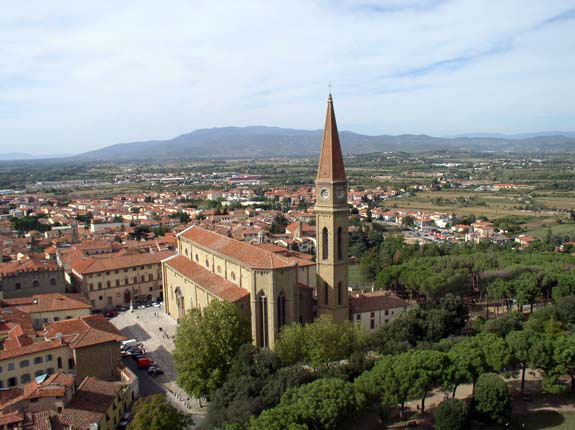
(79, 75)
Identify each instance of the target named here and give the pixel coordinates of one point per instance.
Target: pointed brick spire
(331, 160)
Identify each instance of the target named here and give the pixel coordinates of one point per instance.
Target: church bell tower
(331, 214)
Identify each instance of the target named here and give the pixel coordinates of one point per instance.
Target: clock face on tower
(340, 192)
(324, 194)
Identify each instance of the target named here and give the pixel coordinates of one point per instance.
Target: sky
(80, 75)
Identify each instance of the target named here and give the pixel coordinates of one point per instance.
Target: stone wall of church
(268, 284)
(192, 296)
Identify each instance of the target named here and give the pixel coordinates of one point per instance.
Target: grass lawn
(548, 420)
(564, 228)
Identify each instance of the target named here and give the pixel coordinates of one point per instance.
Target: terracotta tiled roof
(88, 265)
(375, 301)
(271, 248)
(31, 349)
(331, 160)
(16, 339)
(54, 385)
(299, 258)
(90, 403)
(308, 230)
(84, 331)
(242, 252)
(48, 303)
(209, 281)
(14, 317)
(41, 421)
(11, 418)
(26, 265)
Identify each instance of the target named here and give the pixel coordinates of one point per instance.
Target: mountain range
(260, 141)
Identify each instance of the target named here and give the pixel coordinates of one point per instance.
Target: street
(155, 330)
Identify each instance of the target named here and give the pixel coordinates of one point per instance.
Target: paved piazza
(155, 330)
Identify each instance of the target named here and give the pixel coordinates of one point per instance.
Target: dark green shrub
(452, 414)
(492, 400)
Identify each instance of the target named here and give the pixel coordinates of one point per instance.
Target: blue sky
(78, 75)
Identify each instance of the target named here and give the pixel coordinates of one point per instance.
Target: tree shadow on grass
(539, 420)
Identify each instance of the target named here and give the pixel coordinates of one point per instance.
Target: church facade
(270, 289)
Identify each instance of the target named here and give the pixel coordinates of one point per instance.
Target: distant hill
(10, 156)
(16, 156)
(260, 141)
(518, 135)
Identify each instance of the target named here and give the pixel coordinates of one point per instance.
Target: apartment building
(118, 279)
(85, 346)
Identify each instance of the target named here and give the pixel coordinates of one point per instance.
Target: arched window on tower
(281, 310)
(324, 244)
(339, 295)
(339, 244)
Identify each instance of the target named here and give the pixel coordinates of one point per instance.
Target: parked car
(136, 357)
(155, 371)
(144, 362)
(132, 352)
(129, 343)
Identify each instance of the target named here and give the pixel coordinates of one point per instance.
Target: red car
(144, 362)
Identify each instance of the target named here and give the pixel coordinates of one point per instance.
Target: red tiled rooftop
(31, 349)
(90, 403)
(218, 286)
(243, 252)
(103, 263)
(26, 265)
(47, 303)
(85, 331)
(375, 301)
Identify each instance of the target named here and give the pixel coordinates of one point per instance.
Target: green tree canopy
(322, 404)
(320, 343)
(452, 414)
(521, 346)
(206, 344)
(155, 413)
(492, 400)
(564, 357)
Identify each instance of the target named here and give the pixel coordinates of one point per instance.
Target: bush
(452, 414)
(492, 400)
(155, 413)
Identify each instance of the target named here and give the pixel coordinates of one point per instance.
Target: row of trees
(499, 274)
